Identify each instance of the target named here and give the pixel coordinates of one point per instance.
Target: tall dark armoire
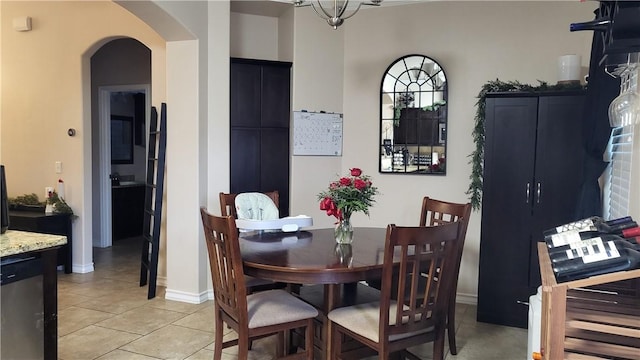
(260, 116)
(532, 175)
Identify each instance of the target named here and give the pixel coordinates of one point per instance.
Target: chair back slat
(228, 202)
(413, 254)
(437, 212)
(221, 236)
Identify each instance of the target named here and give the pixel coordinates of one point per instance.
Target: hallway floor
(105, 315)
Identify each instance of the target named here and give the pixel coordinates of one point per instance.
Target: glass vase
(344, 255)
(344, 231)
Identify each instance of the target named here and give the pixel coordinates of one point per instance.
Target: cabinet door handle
(538, 193)
(528, 192)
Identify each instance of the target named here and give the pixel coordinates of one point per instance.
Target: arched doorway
(120, 93)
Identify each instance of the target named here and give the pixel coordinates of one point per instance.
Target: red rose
(356, 172)
(359, 184)
(345, 181)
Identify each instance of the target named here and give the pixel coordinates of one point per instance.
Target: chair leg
(217, 346)
(384, 355)
(438, 345)
(451, 326)
(336, 342)
(308, 340)
(280, 345)
(243, 347)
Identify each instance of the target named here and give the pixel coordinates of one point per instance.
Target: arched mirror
(413, 117)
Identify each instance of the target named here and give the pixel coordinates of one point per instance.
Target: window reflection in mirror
(413, 117)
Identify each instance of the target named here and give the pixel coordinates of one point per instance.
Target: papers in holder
(286, 224)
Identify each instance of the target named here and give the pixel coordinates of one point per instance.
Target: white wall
(246, 44)
(318, 56)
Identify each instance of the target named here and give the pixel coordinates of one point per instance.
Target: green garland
(477, 156)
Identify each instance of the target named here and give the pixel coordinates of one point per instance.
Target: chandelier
(334, 11)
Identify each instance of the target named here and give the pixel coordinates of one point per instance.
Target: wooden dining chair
(228, 202)
(228, 208)
(416, 316)
(252, 316)
(437, 212)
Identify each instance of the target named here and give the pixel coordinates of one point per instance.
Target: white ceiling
(275, 8)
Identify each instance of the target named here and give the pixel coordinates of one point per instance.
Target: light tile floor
(105, 315)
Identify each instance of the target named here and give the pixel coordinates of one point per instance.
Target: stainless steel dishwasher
(22, 308)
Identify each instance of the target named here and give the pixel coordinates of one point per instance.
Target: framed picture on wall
(121, 139)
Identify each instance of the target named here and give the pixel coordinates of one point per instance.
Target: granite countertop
(15, 242)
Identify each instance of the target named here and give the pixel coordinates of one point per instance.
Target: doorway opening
(124, 122)
(121, 107)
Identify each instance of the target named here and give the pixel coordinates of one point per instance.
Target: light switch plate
(58, 167)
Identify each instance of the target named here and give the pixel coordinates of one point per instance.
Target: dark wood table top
(313, 257)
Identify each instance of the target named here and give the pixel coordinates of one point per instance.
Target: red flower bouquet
(348, 195)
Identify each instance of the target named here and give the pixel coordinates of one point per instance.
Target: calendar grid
(317, 133)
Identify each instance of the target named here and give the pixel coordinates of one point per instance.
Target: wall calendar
(317, 133)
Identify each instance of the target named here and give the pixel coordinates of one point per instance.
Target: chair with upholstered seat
(437, 212)
(417, 316)
(252, 316)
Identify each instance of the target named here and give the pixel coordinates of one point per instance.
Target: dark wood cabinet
(127, 211)
(417, 127)
(532, 176)
(41, 222)
(260, 114)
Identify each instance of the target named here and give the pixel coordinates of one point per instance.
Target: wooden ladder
(153, 200)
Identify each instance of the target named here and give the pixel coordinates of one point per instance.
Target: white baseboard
(82, 268)
(191, 298)
(469, 299)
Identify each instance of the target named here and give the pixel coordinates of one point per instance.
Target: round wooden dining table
(314, 257)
